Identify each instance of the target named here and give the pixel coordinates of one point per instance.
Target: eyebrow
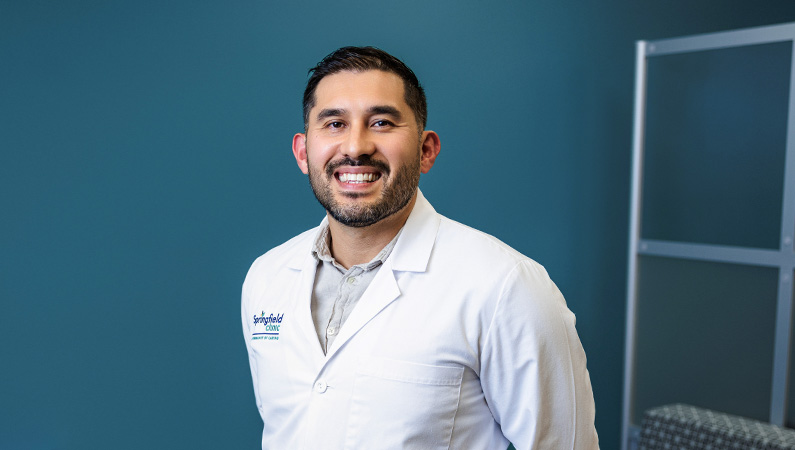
(387, 110)
(373, 110)
(329, 112)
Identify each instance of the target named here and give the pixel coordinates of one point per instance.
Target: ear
(431, 146)
(299, 151)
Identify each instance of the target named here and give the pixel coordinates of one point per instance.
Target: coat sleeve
(246, 321)
(533, 370)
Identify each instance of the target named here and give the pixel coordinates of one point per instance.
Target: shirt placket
(347, 288)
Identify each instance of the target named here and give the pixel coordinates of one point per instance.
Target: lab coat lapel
(307, 264)
(382, 291)
(411, 254)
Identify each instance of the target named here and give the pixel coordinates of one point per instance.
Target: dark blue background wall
(145, 162)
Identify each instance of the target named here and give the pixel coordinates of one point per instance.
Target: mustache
(363, 161)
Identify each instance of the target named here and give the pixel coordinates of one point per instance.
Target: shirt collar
(412, 252)
(321, 250)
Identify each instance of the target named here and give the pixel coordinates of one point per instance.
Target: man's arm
(246, 322)
(533, 370)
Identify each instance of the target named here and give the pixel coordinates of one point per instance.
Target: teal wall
(145, 162)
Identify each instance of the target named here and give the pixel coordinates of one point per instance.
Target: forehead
(353, 90)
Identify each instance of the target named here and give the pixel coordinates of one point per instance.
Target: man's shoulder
(483, 263)
(282, 255)
(477, 247)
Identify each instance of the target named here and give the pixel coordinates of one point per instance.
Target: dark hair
(361, 59)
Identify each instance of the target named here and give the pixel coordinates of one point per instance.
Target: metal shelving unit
(643, 245)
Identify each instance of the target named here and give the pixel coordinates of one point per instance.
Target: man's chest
(391, 371)
(403, 318)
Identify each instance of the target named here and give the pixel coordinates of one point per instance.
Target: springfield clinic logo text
(272, 323)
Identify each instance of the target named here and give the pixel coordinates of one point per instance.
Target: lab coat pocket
(403, 405)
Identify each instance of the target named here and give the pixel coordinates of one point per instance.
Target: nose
(358, 142)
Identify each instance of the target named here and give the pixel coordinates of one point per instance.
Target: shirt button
(351, 280)
(321, 387)
(332, 331)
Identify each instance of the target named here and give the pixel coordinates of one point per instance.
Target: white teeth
(357, 177)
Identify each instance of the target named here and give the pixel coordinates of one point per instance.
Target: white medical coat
(459, 342)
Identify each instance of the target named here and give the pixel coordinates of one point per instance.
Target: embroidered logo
(270, 327)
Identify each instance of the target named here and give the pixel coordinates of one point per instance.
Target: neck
(358, 245)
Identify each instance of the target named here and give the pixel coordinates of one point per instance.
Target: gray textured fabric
(687, 427)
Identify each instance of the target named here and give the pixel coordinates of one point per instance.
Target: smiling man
(389, 326)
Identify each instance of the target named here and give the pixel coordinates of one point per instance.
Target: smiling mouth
(357, 178)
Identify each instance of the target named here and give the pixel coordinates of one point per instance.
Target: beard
(396, 192)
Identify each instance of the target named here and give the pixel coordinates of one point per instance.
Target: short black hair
(361, 59)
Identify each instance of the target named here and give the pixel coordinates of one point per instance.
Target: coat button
(321, 387)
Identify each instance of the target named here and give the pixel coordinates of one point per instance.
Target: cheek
(320, 154)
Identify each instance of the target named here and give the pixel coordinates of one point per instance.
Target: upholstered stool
(685, 427)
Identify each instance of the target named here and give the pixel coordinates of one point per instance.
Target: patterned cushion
(685, 427)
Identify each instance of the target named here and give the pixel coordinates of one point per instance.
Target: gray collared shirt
(337, 290)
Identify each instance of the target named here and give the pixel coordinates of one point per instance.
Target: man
(389, 326)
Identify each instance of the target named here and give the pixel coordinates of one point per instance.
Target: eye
(382, 123)
(336, 124)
